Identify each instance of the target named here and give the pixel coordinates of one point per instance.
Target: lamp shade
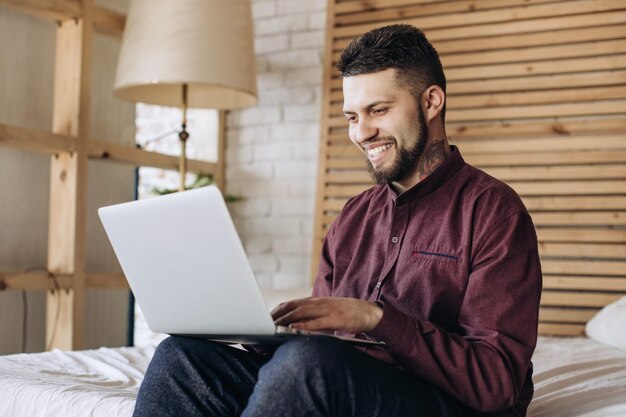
(206, 44)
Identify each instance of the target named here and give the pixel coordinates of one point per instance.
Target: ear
(433, 99)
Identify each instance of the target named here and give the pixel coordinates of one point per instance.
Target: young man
(439, 261)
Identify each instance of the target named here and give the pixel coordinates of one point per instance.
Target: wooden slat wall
(537, 98)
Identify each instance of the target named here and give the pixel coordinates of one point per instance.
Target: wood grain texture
(104, 20)
(68, 181)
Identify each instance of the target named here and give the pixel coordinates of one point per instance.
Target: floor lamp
(188, 54)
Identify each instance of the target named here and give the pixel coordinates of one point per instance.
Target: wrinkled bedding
(574, 377)
(98, 383)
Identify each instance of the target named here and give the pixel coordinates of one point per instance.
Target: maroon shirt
(454, 263)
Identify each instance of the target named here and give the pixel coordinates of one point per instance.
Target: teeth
(374, 152)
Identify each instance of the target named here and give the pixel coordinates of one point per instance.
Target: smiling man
(438, 260)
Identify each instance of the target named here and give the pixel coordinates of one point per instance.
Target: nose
(364, 130)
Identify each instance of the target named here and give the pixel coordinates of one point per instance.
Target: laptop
(189, 272)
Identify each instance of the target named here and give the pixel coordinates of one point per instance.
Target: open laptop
(188, 270)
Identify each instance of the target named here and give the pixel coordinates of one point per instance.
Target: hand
(350, 315)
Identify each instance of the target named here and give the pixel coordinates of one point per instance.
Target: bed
(574, 377)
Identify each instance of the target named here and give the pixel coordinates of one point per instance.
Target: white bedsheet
(98, 383)
(578, 377)
(574, 377)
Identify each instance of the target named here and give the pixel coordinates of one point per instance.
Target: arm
(323, 312)
(486, 364)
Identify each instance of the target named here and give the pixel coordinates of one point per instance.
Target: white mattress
(574, 377)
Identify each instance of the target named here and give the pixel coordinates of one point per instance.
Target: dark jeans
(304, 377)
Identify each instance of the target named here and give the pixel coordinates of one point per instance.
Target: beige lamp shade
(206, 44)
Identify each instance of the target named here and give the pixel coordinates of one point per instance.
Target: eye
(379, 111)
(351, 118)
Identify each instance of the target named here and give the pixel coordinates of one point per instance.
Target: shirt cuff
(394, 328)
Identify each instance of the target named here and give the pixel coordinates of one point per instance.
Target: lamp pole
(183, 135)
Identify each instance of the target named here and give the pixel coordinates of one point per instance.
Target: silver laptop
(188, 270)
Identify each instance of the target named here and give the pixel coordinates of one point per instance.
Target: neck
(435, 153)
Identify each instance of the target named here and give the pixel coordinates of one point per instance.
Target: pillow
(608, 326)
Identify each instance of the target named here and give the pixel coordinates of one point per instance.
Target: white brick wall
(272, 148)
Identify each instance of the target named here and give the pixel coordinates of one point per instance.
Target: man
(438, 260)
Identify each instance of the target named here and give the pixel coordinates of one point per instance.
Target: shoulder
(372, 196)
(358, 208)
(488, 195)
(497, 212)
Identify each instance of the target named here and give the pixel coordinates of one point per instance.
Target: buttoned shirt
(453, 262)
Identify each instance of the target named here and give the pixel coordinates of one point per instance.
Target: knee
(303, 368)
(174, 350)
(317, 351)
(305, 356)
(171, 346)
(168, 354)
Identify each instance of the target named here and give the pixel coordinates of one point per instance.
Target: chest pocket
(418, 254)
(434, 267)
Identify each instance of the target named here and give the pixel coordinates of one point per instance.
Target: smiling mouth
(374, 153)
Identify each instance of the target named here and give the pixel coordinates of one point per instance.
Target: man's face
(386, 123)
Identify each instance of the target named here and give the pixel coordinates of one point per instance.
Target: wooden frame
(536, 96)
(70, 148)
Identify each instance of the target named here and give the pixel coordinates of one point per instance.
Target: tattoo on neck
(433, 156)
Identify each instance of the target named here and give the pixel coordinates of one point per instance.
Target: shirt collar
(435, 180)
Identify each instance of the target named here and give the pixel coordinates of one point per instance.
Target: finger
(301, 313)
(318, 324)
(284, 308)
(287, 306)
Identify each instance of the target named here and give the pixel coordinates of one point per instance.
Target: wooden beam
(377, 10)
(578, 299)
(565, 282)
(561, 127)
(324, 129)
(35, 140)
(567, 315)
(540, 18)
(52, 143)
(570, 188)
(535, 53)
(46, 9)
(104, 20)
(583, 250)
(35, 281)
(45, 281)
(561, 329)
(552, 234)
(106, 280)
(108, 22)
(583, 267)
(68, 180)
(127, 154)
(517, 40)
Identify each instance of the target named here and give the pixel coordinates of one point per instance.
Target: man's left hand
(350, 315)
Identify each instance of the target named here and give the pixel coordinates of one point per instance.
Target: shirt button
(394, 239)
(378, 284)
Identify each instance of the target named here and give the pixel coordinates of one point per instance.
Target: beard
(407, 157)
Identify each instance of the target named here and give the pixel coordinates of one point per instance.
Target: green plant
(202, 180)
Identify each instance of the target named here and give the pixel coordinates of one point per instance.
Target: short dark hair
(402, 47)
